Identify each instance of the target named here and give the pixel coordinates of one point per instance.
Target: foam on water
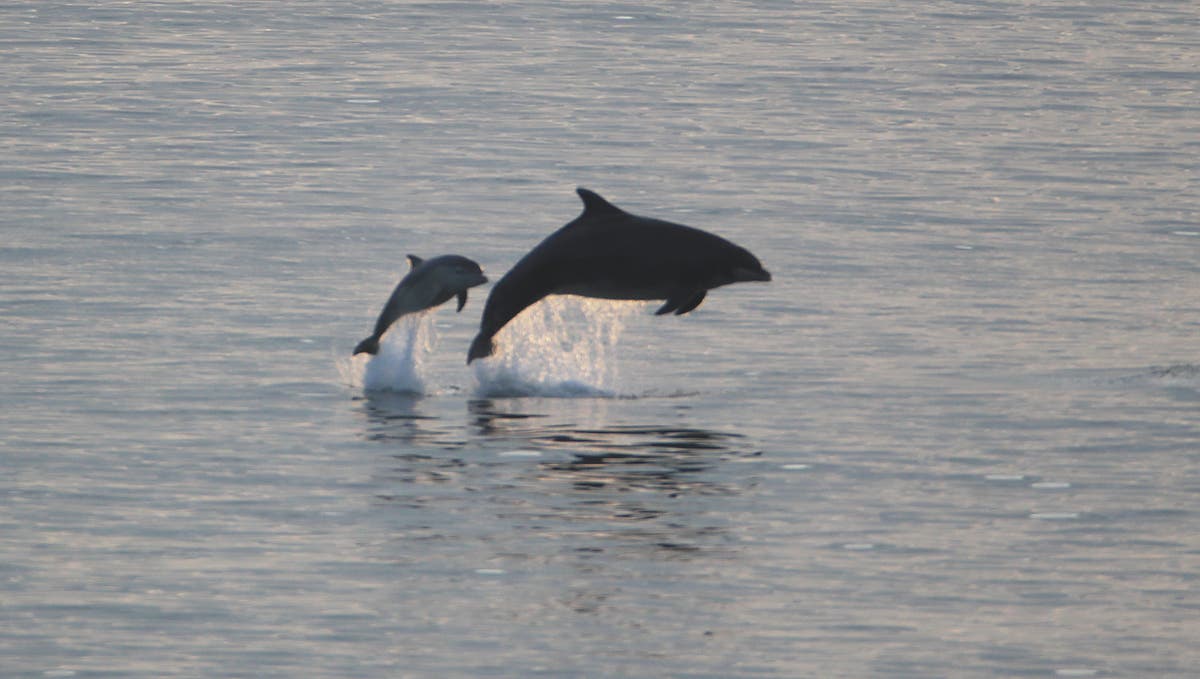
(399, 365)
(563, 346)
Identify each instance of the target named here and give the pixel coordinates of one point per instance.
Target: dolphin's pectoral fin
(681, 302)
(692, 303)
(462, 299)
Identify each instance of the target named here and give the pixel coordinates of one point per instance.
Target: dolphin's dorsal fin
(594, 204)
(413, 261)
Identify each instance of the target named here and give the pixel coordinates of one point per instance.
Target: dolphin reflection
(669, 458)
(595, 494)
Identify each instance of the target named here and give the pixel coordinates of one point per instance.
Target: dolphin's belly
(613, 289)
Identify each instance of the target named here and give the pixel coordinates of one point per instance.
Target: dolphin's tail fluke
(481, 347)
(368, 346)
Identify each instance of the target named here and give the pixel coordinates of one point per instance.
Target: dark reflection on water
(403, 418)
(489, 420)
(523, 476)
(618, 489)
(668, 460)
(665, 457)
(1183, 371)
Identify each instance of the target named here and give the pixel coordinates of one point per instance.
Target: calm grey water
(957, 436)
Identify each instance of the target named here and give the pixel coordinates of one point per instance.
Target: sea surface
(958, 435)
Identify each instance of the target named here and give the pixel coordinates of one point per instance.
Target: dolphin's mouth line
(747, 275)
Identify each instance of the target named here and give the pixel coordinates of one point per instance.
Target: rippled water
(956, 435)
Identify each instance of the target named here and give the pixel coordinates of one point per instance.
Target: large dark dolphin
(608, 253)
(429, 282)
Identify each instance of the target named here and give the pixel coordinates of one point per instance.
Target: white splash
(400, 364)
(563, 346)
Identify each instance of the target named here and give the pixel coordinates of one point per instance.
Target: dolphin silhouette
(611, 254)
(429, 282)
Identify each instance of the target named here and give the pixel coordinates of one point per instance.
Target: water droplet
(1005, 477)
(794, 467)
(1054, 516)
(521, 453)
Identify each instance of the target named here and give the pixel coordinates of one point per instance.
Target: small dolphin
(608, 253)
(429, 282)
